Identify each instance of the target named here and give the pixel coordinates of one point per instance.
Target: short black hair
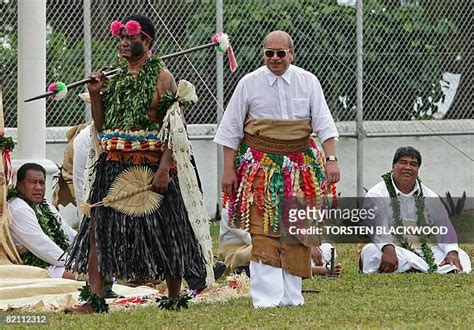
(145, 23)
(21, 174)
(406, 151)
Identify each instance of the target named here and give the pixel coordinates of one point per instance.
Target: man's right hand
(230, 183)
(97, 83)
(21, 249)
(389, 262)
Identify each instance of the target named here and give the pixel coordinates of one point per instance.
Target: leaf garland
(49, 223)
(98, 303)
(426, 251)
(6, 142)
(174, 304)
(166, 101)
(127, 98)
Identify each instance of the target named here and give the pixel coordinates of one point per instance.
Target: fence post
(31, 128)
(360, 91)
(220, 99)
(87, 52)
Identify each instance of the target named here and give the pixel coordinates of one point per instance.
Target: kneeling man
(401, 201)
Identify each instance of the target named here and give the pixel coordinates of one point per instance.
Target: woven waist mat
(274, 146)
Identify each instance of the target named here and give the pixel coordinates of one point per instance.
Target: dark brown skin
(129, 49)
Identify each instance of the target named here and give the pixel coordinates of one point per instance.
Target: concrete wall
(444, 168)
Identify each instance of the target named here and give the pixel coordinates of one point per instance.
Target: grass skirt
(155, 246)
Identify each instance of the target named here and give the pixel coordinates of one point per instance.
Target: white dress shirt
(26, 231)
(297, 94)
(379, 196)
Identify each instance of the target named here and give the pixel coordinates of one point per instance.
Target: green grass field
(351, 301)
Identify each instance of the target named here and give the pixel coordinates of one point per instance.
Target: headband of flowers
(132, 28)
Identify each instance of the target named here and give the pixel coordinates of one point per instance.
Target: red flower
(115, 28)
(133, 28)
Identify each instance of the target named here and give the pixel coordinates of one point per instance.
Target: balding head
(280, 36)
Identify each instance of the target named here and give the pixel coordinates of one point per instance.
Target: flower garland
(50, 225)
(6, 147)
(127, 98)
(426, 251)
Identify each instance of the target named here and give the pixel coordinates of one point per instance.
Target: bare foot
(83, 309)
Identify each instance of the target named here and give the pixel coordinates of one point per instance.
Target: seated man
(235, 247)
(402, 201)
(36, 227)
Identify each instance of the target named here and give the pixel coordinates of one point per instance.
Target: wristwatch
(331, 158)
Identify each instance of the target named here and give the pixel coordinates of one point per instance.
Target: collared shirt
(379, 196)
(296, 94)
(26, 231)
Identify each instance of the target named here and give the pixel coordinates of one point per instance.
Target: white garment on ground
(297, 94)
(26, 231)
(371, 257)
(379, 197)
(325, 249)
(81, 147)
(229, 235)
(271, 286)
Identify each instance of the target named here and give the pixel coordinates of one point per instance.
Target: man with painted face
(271, 162)
(402, 202)
(129, 110)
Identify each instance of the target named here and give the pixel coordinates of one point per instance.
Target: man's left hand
(332, 172)
(452, 258)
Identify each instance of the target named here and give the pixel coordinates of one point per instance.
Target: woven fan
(130, 194)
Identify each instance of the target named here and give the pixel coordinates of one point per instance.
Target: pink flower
(133, 28)
(52, 87)
(215, 38)
(115, 28)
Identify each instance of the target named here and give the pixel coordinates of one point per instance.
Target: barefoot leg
(174, 287)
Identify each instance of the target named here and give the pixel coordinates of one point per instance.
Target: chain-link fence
(417, 54)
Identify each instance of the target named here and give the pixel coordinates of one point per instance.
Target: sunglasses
(281, 53)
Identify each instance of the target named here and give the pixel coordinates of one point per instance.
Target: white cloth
(325, 249)
(379, 198)
(26, 230)
(56, 271)
(297, 94)
(371, 257)
(230, 235)
(81, 147)
(272, 286)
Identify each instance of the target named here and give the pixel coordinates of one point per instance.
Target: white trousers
(272, 286)
(371, 257)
